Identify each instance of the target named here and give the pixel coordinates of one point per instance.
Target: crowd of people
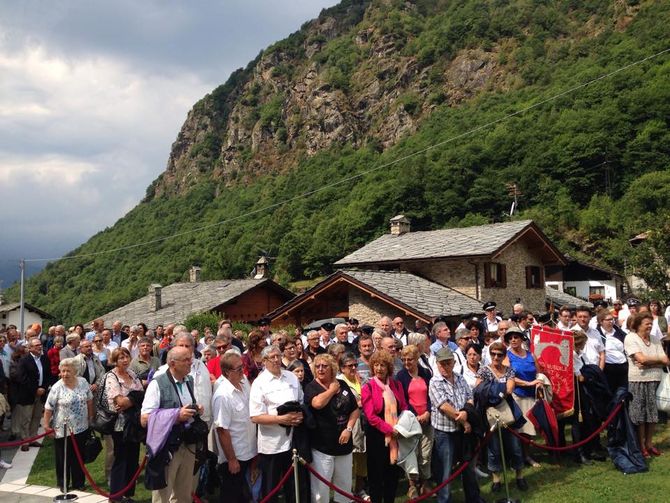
(364, 405)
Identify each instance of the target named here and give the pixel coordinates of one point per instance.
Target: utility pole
(22, 266)
(514, 193)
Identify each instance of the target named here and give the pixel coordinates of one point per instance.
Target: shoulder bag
(105, 419)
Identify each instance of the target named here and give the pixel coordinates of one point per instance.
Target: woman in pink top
(383, 399)
(415, 380)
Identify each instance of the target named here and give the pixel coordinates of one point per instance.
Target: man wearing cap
(490, 322)
(399, 330)
(462, 340)
(449, 393)
(352, 324)
(326, 334)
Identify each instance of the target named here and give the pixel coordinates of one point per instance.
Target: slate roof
(413, 292)
(480, 240)
(561, 298)
(6, 308)
(419, 293)
(179, 300)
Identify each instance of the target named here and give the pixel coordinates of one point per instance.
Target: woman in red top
(383, 399)
(54, 355)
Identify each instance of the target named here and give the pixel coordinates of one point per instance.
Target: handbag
(663, 392)
(92, 447)
(501, 414)
(104, 420)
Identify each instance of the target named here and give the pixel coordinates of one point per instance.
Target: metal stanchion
(65, 496)
(506, 499)
(296, 480)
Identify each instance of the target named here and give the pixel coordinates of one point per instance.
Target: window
(596, 290)
(534, 276)
(495, 275)
(571, 290)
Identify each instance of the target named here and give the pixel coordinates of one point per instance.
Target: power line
(364, 172)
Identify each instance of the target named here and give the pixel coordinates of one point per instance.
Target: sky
(92, 95)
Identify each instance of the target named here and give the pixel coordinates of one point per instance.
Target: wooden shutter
(503, 275)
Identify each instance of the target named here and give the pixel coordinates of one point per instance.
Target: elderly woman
(415, 381)
(645, 369)
(496, 371)
(252, 359)
(335, 412)
(426, 357)
(54, 355)
(119, 383)
(69, 403)
(383, 399)
(100, 350)
(349, 374)
(525, 368)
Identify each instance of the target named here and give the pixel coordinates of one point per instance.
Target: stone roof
(480, 240)
(180, 300)
(416, 292)
(561, 298)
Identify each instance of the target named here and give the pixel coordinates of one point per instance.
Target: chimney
(155, 293)
(194, 274)
(262, 268)
(399, 225)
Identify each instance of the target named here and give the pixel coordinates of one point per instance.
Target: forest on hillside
(592, 165)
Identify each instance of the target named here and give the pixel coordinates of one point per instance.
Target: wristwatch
(349, 429)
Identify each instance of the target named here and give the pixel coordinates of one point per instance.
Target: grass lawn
(566, 483)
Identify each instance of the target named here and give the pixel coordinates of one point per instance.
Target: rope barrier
(95, 486)
(330, 484)
(281, 483)
(16, 443)
(570, 447)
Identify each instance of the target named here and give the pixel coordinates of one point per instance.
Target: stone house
(502, 262)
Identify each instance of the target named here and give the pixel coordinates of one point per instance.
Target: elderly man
(71, 347)
(118, 336)
(390, 344)
(441, 334)
(173, 389)
(365, 348)
(34, 379)
(342, 335)
(89, 366)
(385, 324)
(235, 434)
(449, 393)
(462, 340)
(313, 347)
(272, 388)
(400, 331)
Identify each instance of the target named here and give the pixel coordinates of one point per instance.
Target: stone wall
(516, 257)
(368, 310)
(457, 274)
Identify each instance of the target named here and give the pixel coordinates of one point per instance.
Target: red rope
(279, 486)
(16, 443)
(196, 499)
(92, 482)
(570, 447)
(436, 489)
(331, 485)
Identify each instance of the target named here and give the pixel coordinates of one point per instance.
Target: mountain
(430, 108)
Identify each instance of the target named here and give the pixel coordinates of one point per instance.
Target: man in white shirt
(235, 434)
(564, 316)
(274, 387)
(400, 332)
(132, 343)
(490, 322)
(594, 352)
(159, 395)
(462, 338)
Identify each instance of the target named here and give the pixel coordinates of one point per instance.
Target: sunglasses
(321, 366)
(496, 354)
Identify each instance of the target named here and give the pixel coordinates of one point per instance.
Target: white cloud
(92, 95)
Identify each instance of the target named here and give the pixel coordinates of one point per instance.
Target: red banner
(553, 349)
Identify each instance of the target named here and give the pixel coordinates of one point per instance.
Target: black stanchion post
(296, 480)
(65, 496)
(507, 499)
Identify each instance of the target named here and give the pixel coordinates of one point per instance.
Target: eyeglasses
(220, 348)
(350, 365)
(515, 336)
(273, 357)
(496, 354)
(321, 366)
(238, 369)
(608, 319)
(407, 359)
